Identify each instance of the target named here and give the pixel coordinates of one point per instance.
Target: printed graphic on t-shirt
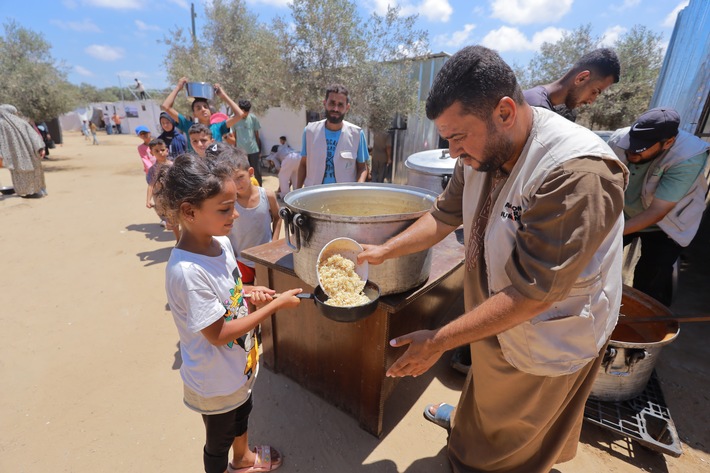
(236, 308)
(331, 141)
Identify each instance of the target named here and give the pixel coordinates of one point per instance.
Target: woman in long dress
(21, 149)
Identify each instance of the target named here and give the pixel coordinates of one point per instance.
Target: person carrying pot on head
(333, 150)
(171, 136)
(202, 112)
(541, 202)
(21, 151)
(665, 199)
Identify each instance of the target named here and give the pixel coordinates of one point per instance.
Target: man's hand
(421, 354)
(373, 254)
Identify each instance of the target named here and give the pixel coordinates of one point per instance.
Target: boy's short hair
(234, 158)
(283, 138)
(200, 99)
(198, 129)
(245, 105)
(155, 142)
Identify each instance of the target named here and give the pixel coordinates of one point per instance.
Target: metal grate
(644, 418)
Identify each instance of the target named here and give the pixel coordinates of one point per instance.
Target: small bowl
(7, 190)
(347, 248)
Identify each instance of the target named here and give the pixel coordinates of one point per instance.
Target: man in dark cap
(665, 199)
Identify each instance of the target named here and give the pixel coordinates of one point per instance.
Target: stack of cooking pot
(369, 213)
(430, 169)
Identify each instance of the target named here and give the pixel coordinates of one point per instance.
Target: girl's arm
(222, 332)
(274, 211)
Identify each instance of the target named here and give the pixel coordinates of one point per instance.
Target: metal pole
(193, 15)
(120, 87)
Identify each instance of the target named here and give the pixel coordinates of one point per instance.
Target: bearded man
(333, 150)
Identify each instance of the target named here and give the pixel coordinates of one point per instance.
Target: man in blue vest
(665, 199)
(333, 150)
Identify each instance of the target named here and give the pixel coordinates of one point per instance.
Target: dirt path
(88, 355)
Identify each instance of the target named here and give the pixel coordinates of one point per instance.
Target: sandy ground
(89, 362)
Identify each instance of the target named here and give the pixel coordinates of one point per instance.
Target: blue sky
(111, 42)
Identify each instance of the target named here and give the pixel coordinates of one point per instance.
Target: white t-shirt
(200, 290)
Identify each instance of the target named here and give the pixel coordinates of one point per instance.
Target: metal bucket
(430, 169)
(369, 213)
(633, 350)
(202, 90)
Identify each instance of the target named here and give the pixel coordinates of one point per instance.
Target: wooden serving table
(345, 363)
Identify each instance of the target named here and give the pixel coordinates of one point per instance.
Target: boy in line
(160, 151)
(146, 156)
(200, 138)
(202, 112)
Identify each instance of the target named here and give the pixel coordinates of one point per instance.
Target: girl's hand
(288, 299)
(259, 295)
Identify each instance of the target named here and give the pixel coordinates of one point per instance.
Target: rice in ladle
(338, 279)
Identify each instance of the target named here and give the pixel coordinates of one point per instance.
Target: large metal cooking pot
(202, 90)
(430, 169)
(633, 350)
(368, 213)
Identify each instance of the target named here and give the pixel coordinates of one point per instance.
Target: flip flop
(442, 418)
(262, 463)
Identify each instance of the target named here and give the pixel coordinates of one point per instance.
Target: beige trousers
(514, 422)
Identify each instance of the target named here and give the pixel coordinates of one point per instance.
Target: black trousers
(222, 429)
(653, 274)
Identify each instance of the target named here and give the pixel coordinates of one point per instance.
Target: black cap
(657, 124)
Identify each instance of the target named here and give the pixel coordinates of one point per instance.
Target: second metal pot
(430, 169)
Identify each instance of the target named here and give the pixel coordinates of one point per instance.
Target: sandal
(442, 418)
(262, 462)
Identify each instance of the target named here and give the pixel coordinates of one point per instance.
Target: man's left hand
(421, 354)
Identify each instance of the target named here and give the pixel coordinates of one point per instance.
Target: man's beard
(497, 152)
(334, 118)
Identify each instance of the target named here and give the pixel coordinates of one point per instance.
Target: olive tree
(372, 58)
(32, 80)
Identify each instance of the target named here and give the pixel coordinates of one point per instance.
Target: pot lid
(433, 161)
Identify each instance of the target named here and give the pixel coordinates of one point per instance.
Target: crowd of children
(203, 189)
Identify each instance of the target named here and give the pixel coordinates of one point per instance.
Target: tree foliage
(371, 58)
(292, 61)
(32, 80)
(639, 52)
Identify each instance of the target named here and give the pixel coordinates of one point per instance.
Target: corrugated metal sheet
(684, 81)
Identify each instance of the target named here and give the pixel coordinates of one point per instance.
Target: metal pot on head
(369, 213)
(203, 90)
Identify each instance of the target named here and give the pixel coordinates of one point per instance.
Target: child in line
(200, 138)
(147, 158)
(173, 138)
(202, 112)
(160, 151)
(92, 128)
(259, 220)
(208, 303)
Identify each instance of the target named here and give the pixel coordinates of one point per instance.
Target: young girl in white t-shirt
(217, 343)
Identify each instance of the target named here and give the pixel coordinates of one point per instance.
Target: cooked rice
(338, 279)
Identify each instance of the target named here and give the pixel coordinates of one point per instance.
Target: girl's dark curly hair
(190, 179)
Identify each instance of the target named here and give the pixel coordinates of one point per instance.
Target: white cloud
(275, 3)
(523, 12)
(626, 4)
(116, 4)
(507, 38)
(432, 10)
(131, 75)
(104, 52)
(669, 21)
(70, 4)
(84, 26)
(611, 35)
(180, 3)
(457, 38)
(146, 27)
(83, 71)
